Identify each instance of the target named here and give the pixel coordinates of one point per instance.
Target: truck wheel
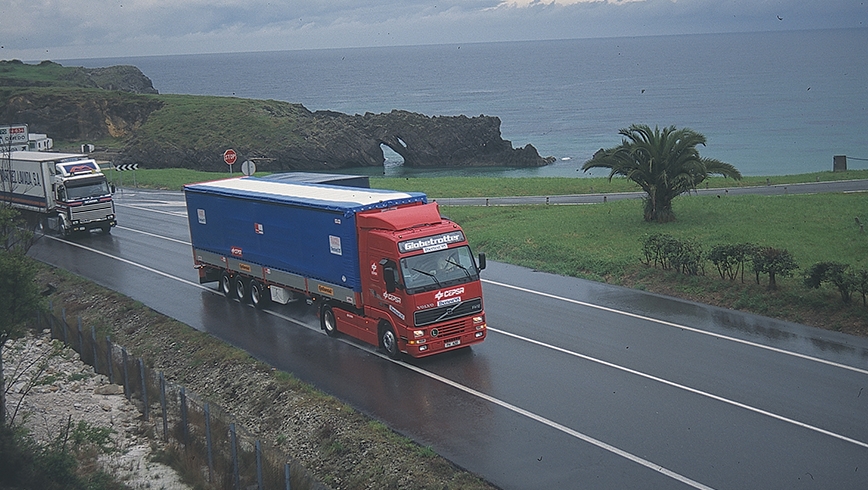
(241, 286)
(226, 284)
(107, 230)
(389, 341)
(327, 321)
(258, 294)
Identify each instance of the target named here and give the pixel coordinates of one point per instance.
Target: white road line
(142, 208)
(682, 327)
(686, 388)
(182, 242)
(550, 423)
(566, 430)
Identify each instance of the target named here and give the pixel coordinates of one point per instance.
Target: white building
(39, 142)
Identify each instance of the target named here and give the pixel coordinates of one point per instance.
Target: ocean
(769, 103)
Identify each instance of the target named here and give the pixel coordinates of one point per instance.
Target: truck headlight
(418, 333)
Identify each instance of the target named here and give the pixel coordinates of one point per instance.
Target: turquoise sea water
(769, 103)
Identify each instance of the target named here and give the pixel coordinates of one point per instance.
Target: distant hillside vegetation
(119, 108)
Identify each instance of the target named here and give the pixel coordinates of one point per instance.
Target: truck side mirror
(482, 261)
(391, 277)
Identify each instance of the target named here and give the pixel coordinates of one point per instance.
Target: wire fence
(205, 436)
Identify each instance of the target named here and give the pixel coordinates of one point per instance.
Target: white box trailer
(67, 190)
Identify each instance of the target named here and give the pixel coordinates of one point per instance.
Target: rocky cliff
(326, 140)
(160, 131)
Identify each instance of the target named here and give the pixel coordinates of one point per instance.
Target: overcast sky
(34, 30)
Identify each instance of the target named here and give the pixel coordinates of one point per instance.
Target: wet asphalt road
(579, 384)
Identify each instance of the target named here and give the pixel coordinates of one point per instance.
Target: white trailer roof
(289, 192)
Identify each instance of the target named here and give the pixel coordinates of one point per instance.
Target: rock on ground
(59, 389)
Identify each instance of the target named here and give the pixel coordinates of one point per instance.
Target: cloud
(58, 29)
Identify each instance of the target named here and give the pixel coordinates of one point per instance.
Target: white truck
(67, 192)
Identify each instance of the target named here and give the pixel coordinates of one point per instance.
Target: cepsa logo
(236, 251)
(391, 297)
(449, 297)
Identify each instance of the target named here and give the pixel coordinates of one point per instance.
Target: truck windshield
(438, 269)
(85, 188)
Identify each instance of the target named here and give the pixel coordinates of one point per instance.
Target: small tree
(862, 284)
(774, 262)
(836, 273)
(730, 259)
(19, 296)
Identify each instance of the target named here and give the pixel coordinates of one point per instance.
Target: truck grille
(450, 329)
(427, 317)
(92, 212)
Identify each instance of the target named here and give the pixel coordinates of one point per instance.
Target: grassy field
(445, 187)
(603, 242)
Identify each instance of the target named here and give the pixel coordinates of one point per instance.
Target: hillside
(117, 108)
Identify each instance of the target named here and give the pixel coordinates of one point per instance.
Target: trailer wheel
(241, 287)
(258, 294)
(226, 284)
(389, 341)
(327, 321)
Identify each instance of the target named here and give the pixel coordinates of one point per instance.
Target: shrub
(730, 259)
(774, 262)
(841, 276)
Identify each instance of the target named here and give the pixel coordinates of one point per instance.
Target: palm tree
(664, 163)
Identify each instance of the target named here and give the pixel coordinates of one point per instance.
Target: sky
(36, 30)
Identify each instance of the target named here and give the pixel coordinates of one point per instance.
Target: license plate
(451, 343)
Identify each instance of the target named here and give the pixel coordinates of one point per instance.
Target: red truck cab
(421, 292)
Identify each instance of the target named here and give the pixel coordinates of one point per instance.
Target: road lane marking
(513, 408)
(682, 327)
(142, 208)
(621, 312)
(526, 413)
(632, 371)
(182, 242)
(686, 388)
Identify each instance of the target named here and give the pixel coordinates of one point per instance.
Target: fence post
(234, 450)
(144, 390)
(259, 465)
(80, 341)
(93, 344)
(126, 373)
(184, 418)
(286, 475)
(208, 443)
(62, 321)
(111, 371)
(163, 405)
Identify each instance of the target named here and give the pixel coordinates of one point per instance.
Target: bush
(774, 262)
(841, 276)
(684, 256)
(730, 259)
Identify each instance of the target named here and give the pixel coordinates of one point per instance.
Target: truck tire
(327, 321)
(258, 294)
(389, 341)
(226, 284)
(241, 288)
(107, 229)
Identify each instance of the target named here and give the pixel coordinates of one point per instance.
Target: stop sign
(229, 156)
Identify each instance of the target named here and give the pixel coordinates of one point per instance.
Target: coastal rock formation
(326, 140)
(193, 131)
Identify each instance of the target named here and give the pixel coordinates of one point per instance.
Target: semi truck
(381, 266)
(67, 192)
